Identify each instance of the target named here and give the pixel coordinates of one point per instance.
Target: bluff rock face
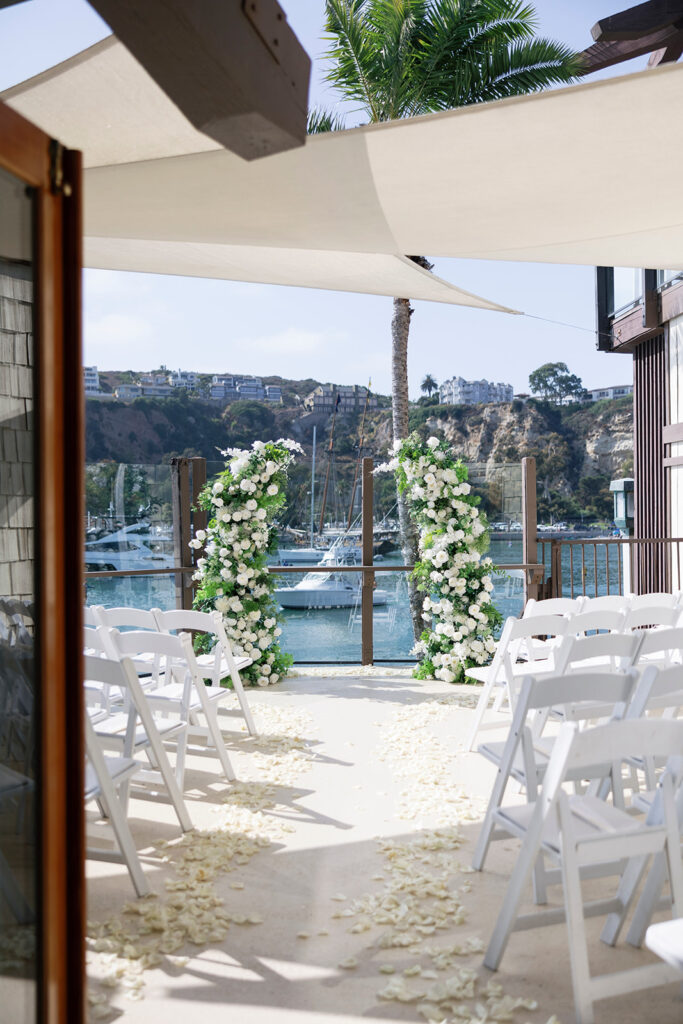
(598, 439)
(577, 448)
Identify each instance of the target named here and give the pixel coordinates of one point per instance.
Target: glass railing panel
(129, 518)
(132, 591)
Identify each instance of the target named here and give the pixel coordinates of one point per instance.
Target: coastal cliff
(578, 448)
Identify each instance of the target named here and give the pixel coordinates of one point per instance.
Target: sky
(139, 321)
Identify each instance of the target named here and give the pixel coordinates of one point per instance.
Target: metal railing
(610, 565)
(189, 476)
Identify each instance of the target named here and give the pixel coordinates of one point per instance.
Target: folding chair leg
(539, 881)
(181, 750)
(173, 788)
(671, 861)
(219, 743)
(628, 886)
(513, 897)
(576, 928)
(479, 713)
(127, 847)
(242, 698)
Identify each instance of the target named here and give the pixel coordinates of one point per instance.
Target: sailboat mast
(313, 486)
(360, 454)
(329, 462)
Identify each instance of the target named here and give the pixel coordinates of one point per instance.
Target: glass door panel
(19, 731)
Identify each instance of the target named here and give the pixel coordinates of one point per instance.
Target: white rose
(273, 489)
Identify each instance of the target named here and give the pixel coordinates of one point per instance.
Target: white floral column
(232, 573)
(451, 571)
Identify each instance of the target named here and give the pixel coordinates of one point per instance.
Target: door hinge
(57, 184)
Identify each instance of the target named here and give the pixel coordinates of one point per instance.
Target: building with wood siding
(640, 314)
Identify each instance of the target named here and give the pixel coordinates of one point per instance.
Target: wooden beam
(638, 21)
(669, 54)
(606, 53)
(233, 67)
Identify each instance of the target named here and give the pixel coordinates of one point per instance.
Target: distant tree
(428, 385)
(555, 383)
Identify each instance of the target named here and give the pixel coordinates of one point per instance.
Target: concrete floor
(349, 846)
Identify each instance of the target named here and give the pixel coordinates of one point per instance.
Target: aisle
(333, 881)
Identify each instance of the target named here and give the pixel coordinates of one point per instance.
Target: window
(627, 289)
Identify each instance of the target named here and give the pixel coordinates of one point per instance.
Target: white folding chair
(103, 777)
(599, 652)
(578, 832)
(525, 754)
(604, 620)
(124, 618)
(187, 696)
(606, 603)
(651, 616)
(220, 662)
(553, 606)
(660, 599)
(137, 730)
(662, 647)
(650, 898)
(507, 670)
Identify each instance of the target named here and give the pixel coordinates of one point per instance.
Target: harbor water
(327, 635)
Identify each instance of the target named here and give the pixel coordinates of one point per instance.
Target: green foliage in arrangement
(232, 573)
(452, 571)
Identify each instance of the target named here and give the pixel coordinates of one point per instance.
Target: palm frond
(320, 121)
(353, 53)
(525, 68)
(400, 58)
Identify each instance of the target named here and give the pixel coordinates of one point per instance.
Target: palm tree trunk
(400, 329)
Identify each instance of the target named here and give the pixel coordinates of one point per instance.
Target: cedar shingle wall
(16, 434)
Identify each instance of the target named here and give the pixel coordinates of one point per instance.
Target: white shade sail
(553, 177)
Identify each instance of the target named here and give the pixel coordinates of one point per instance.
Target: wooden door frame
(55, 174)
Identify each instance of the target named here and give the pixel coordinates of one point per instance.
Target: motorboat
(300, 556)
(132, 547)
(325, 590)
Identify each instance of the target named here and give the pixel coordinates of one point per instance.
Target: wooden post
(368, 587)
(198, 517)
(529, 526)
(180, 490)
(555, 569)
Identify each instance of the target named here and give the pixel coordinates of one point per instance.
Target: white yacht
(300, 556)
(133, 547)
(325, 590)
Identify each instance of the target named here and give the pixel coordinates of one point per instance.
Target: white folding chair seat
(218, 663)
(103, 777)
(187, 696)
(592, 835)
(506, 671)
(666, 940)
